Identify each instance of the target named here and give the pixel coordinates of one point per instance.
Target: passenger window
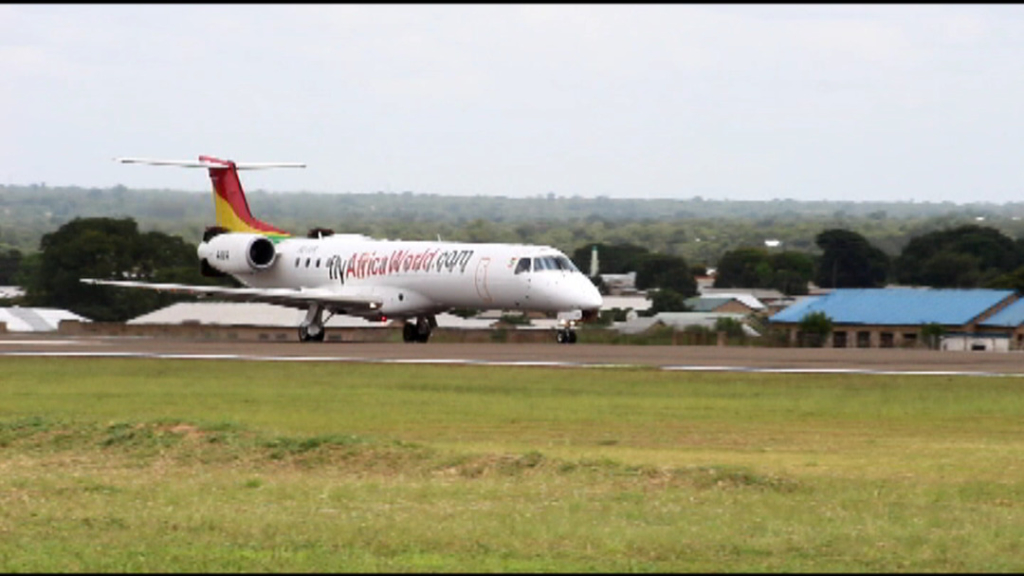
(307, 262)
(317, 262)
(523, 266)
(297, 260)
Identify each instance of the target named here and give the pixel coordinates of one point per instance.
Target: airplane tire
(572, 337)
(305, 336)
(561, 337)
(409, 333)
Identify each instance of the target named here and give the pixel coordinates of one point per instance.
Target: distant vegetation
(780, 244)
(699, 230)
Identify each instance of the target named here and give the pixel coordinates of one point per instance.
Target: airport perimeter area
(212, 343)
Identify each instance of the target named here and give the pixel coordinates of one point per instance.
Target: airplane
(325, 273)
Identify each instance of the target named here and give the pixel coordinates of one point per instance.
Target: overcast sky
(742, 102)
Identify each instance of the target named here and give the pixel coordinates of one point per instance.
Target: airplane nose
(592, 298)
(588, 296)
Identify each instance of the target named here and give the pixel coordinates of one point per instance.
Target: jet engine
(238, 252)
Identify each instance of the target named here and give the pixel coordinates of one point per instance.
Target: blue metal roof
(897, 306)
(1009, 317)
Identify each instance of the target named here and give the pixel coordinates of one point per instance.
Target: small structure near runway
(18, 319)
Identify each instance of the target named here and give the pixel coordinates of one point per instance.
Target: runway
(672, 358)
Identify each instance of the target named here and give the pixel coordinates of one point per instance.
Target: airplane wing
(282, 296)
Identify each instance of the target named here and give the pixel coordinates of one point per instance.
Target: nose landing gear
(566, 333)
(566, 336)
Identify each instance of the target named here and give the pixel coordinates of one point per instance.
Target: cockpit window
(566, 264)
(523, 266)
(554, 263)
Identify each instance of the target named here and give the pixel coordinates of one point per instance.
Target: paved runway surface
(595, 355)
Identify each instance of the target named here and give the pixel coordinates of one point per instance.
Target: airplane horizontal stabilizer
(207, 164)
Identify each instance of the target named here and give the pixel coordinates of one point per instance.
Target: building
(725, 302)
(620, 284)
(18, 319)
(635, 303)
(679, 321)
(11, 292)
(1008, 324)
(894, 317)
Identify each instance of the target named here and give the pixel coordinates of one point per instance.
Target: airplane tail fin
(229, 201)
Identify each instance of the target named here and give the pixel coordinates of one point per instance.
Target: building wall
(857, 336)
(861, 336)
(961, 343)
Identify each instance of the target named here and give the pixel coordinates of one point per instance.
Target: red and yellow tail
(230, 204)
(229, 201)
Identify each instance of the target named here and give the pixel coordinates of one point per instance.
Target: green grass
(160, 465)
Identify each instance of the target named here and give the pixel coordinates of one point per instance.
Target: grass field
(163, 465)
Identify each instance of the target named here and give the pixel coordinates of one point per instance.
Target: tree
(10, 261)
(666, 300)
(962, 257)
(792, 271)
(788, 272)
(109, 248)
(815, 328)
(732, 327)
(740, 268)
(1011, 280)
(612, 258)
(931, 334)
(849, 261)
(663, 271)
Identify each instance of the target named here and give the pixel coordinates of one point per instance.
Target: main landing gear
(418, 331)
(311, 329)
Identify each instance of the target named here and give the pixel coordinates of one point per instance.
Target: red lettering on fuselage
(368, 264)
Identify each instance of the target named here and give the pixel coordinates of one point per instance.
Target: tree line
(968, 256)
(699, 230)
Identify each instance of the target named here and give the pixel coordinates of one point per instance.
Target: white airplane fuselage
(412, 278)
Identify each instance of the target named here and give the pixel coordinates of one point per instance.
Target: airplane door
(481, 279)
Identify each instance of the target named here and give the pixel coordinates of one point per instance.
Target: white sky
(743, 102)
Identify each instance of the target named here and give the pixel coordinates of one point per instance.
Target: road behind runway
(669, 357)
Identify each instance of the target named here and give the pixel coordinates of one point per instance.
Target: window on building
(839, 339)
(886, 340)
(863, 339)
